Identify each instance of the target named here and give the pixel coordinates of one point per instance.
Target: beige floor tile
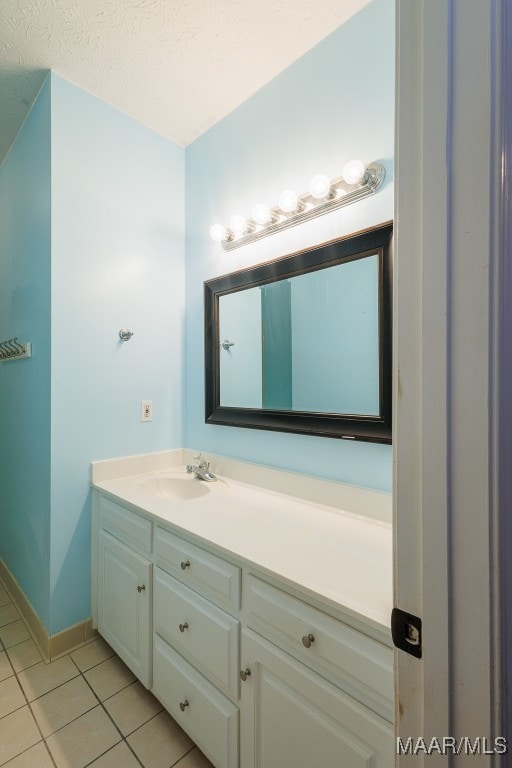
(14, 633)
(160, 743)
(109, 677)
(91, 654)
(11, 696)
(41, 678)
(24, 655)
(18, 732)
(194, 759)
(4, 597)
(80, 742)
(35, 757)
(8, 614)
(132, 707)
(5, 667)
(62, 705)
(118, 757)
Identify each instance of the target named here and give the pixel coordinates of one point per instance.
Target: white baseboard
(51, 646)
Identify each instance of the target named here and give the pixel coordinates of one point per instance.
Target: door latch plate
(406, 632)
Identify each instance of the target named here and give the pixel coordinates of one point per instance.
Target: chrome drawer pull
(141, 588)
(307, 640)
(185, 564)
(184, 705)
(244, 674)
(183, 627)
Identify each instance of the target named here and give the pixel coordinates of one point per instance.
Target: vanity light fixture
(356, 182)
(218, 233)
(353, 172)
(289, 202)
(262, 214)
(320, 187)
(238, 225)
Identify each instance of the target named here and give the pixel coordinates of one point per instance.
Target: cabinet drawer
(125, 524)
(205, 634)
(363, 664)
(207, 716)
(208, 573)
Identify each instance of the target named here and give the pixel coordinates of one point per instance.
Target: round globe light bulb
(261, 214)
(218, 233)
(353, 172)
(288, 201)
(319, 186)
(238, 225)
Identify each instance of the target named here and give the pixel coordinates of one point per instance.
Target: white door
(447, 257)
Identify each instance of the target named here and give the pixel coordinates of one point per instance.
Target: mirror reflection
(305, 343)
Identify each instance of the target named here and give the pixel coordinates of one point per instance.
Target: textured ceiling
(178, 66)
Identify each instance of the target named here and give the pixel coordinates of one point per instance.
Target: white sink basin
(177, 487)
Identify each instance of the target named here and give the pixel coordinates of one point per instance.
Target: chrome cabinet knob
(307, 640)
(184, 705)
(183, 627)
(141, 588)
(244, 674)
(185, 564)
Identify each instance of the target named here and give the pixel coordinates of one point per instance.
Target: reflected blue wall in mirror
(277, 339)
(335, 342)
(240, 326)
(309, 343)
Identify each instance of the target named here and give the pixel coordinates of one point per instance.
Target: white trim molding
(452, 431)
(501, 370)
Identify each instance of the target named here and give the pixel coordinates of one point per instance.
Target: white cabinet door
(292, 716)
(124, 603)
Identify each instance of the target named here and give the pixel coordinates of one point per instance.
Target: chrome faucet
(202, 470)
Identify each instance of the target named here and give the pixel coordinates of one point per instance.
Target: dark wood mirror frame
(371, 428)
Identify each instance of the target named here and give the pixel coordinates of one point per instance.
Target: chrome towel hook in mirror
(125, 334)
(227, 344)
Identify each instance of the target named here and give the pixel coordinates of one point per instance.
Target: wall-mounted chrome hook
(11, 349)
(227, 344)
(125, 334)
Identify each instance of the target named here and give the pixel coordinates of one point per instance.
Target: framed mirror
(303, 343)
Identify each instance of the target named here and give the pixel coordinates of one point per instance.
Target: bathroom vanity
(255, 608)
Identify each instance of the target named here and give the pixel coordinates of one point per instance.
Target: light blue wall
(25, 384)
(117, 261)
(333, 104)
(91, 240)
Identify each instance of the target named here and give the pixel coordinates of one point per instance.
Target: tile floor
(84, 709)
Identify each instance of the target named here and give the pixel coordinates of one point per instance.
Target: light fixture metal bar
(311, 208)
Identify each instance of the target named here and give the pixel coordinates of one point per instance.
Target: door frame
(452, 424)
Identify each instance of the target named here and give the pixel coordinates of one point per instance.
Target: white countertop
(326, 549)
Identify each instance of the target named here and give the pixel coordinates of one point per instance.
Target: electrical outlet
(146, 410)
